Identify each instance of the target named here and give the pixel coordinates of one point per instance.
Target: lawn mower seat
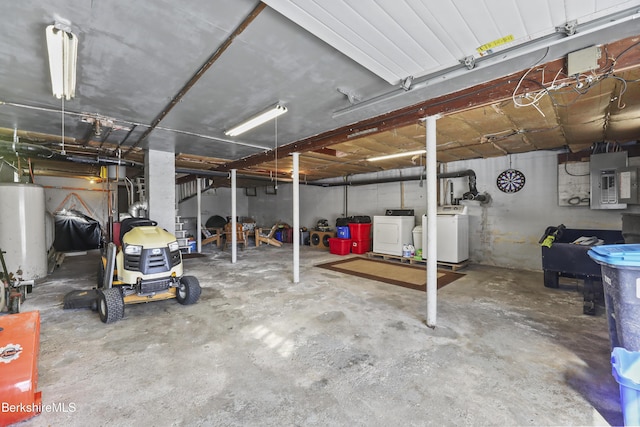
(128, 223)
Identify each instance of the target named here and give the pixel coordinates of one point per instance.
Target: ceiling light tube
(395, 156)
(257, 120)
(63, 53)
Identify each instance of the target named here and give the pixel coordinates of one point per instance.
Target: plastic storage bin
(360, 231)
(339, 246)
(625, 367)
(343, 232)
(620, 265)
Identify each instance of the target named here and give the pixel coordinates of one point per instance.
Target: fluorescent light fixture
(269, 114)
(395, 156)
(63, 53)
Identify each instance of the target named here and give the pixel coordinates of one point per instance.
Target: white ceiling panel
(586, 10)
(395, 39)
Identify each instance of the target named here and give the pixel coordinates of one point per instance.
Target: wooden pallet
(387, 257)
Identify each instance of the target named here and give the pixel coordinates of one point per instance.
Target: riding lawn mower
(146, 266)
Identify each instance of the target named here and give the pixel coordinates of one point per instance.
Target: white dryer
(391, 233)
(453, 234)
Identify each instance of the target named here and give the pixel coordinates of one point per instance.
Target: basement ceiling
(356, 77)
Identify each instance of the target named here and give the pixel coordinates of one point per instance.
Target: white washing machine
(453, 234)
(391, 233)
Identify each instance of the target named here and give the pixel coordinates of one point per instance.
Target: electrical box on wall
(583, 60)
(604, 179)
(628, 185)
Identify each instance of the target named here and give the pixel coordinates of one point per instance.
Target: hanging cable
(533, 98)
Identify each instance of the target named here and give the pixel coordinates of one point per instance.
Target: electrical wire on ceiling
(499, 136)
(536, 96)
(605, 147)
(122, 124)
(623, 89)
(533, 98)
(594, 79)
(583, 83)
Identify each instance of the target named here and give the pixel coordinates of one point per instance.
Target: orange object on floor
(19, 347)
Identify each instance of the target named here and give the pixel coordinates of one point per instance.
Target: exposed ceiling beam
(624, 53)
(466, 99)
(194, 79)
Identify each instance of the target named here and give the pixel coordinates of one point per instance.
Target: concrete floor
(257, 350)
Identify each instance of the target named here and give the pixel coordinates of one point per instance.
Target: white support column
(432, 210)
(160, 188)
(234, 237)
(198, 219)
(296, 218)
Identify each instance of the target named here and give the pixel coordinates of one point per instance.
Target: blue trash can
(625, 367)
(620, 266)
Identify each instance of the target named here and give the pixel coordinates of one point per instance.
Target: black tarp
(76, 231)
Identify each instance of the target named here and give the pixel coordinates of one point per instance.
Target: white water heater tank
(22, 230)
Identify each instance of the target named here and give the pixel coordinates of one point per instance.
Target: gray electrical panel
(604, 169)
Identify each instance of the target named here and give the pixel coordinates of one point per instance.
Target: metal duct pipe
(28, 150)
(202, 172)
(119, 162)
(34, 150)
(472, 194)
(364, 182)
(134, 209)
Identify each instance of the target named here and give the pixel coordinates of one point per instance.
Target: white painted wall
(214, 202)
(315, 203)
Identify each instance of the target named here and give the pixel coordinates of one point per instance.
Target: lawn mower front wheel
(110, 305)
(188, 291)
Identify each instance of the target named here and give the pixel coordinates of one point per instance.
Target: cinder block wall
(504, 232)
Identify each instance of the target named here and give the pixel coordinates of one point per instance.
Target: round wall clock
(510, 181)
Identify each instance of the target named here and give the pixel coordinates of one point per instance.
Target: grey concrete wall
(267, 209)
(504, 232)
(315, 203)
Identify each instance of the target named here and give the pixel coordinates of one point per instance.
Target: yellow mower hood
(148, 237)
